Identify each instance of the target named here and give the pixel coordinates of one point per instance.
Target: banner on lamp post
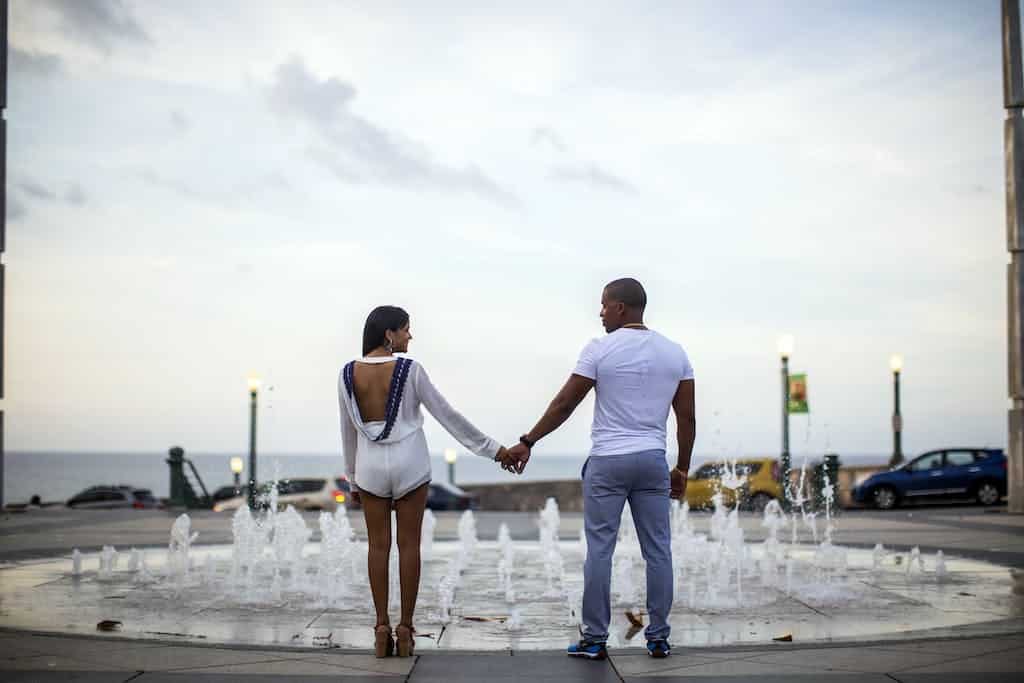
(798, 394)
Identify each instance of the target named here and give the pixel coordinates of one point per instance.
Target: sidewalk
(43, 658)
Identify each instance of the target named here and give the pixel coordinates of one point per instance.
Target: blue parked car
(978, 473)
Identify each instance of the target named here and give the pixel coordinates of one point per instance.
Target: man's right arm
(686, 423)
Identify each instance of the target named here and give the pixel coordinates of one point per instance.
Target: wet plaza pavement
(213, 607)
(298, 630)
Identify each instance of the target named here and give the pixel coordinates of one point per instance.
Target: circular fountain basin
(210, 604)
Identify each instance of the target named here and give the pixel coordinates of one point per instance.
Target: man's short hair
(628, 291)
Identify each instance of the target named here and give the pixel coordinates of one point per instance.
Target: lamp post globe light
(450, 456)
(254, 390)
(896, 365)
(236, 469)
(785, 345)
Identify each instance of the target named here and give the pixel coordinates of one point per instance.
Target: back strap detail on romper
(395, 391)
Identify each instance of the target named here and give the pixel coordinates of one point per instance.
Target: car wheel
(760, 501)
(885, 498)
(988, 493)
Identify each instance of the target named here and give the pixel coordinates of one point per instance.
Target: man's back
(636, 374)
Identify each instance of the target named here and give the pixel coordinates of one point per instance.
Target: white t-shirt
(636, 375)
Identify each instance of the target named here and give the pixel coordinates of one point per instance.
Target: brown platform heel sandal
(383, 643)
(406, 644)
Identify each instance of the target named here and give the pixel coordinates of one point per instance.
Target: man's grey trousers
(608, 482)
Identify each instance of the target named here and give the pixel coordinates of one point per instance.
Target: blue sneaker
(659, 649)
(591, 649)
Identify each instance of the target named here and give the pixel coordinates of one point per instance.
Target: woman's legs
(409, 509)
(377, 512)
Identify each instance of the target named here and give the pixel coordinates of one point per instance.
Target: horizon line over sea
(58, 475)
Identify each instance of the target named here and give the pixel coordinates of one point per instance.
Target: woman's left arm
(349, 439)
(452, 420)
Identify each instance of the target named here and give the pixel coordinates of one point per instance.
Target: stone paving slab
(285, 668)
(895, 661)
(766, 678)
(971, 647)
(643, 665)
(67, 653)
(962, 677)
(236, 677)
(363, 663)
(69, 676)
(854, 660)
(1009, 660)
(538, 668)
(675, 667)
(137, 659)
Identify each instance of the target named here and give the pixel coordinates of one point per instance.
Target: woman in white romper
(387, 461)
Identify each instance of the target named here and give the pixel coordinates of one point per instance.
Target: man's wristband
(524, 439)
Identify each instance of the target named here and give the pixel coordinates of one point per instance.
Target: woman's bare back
(371, 385)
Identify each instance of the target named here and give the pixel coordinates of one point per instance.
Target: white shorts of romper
(391, 470)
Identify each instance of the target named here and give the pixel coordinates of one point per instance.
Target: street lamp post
(450, 455)
(236, 469)
(254, 389)
(896, 365)
(785, 351)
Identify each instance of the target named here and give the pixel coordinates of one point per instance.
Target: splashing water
(427, 535)
(877, 557)
(548, 524)
(941, 571)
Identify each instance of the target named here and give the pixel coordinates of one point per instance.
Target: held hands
(513, 459)
(678, 478)
(504, 459)
(521, 453)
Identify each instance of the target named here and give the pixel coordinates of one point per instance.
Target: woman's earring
(388, 346)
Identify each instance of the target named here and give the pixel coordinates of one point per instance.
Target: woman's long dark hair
(380, 320)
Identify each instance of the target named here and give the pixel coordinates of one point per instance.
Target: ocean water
(58, 476)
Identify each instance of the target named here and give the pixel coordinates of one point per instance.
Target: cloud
(180, 121)
(15, 209)
(593, 175)
(356, 150)
(75, 195)
(585, 172)
(224, 196)
(100, 23)
(33, 63)
(542, 135)
(37, 191)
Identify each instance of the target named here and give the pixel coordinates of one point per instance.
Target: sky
(200, 191)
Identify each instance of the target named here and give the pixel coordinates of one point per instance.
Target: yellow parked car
(762, 484)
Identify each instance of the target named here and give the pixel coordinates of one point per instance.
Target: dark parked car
(445, 496)
(442, 496)
(978, 473)
(105, 497)
(225, 492)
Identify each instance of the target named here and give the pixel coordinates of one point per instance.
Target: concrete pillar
(1013, 136)
(3, 219)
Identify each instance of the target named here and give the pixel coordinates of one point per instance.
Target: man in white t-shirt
(638, 375)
